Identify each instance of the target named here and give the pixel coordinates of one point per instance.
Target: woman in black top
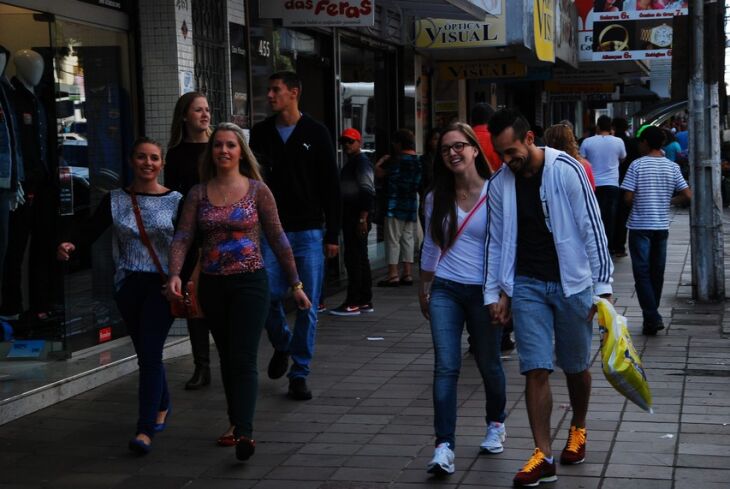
(189, 136)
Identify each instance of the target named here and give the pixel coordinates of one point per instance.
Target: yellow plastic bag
(621, 364)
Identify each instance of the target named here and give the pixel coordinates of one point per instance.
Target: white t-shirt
(464, 261)
(604, 153)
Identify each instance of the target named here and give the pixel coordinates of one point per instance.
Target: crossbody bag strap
(463, 225)
(143, 235)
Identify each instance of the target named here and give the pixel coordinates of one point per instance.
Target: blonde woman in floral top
(229, 210)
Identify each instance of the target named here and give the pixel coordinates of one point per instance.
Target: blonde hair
(177, 128)
(248, 165)
(560, 136)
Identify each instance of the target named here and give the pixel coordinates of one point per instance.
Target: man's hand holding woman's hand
(501, 311)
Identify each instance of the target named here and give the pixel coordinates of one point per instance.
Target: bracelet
(362, 221)
(297, 286)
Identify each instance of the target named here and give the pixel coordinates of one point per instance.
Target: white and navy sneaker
(367, 307)
(345, 310)
(494, 438)
(442, 462)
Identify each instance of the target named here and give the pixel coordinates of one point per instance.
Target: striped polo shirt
(654, 180)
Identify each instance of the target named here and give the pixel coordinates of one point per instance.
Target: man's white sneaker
(495, 437)
(442, 461)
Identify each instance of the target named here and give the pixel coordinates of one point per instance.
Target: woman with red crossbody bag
(451, 289)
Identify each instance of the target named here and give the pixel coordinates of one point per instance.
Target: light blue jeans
(308, 248)
(453, 304)
(542, 315)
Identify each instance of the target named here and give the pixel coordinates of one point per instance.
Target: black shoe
(298, 389)
(651, 329)
(367, 307)
(200, 379)
(245, 447)
(278, 364)
(507, 344)
(345, 310)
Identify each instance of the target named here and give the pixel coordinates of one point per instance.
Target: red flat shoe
(226, 441)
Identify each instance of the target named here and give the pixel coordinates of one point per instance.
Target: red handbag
(186, 306)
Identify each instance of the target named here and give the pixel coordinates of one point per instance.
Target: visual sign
(447, 34)
(611, 30)
(544, 26)
(497, 68)
(337, 13)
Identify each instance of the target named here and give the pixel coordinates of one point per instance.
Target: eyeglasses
(458, 147)
(346, 141)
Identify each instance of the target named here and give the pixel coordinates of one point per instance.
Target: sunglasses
(346, 141)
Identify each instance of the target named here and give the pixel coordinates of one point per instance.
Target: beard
(519, 165)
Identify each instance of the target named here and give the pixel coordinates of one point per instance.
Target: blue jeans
(648, 250)
(309, 256)
(146, 314)
(452, 304)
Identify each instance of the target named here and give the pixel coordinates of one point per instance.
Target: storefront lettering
(445, 34)
(351, 11)
(545, 19)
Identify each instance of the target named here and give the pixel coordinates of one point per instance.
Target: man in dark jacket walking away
(358, 200)
(298, 160)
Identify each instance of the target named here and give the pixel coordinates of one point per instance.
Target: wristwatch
(660, 35)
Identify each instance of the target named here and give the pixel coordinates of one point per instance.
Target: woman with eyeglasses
(451, 290)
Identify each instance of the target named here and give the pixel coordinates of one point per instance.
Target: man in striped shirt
(650, 185)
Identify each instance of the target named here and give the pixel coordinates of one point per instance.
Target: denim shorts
(542, 315)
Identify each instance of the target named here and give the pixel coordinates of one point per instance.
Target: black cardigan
(302, 174)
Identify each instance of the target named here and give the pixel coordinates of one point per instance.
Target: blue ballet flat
(139, 447)
(158, 427)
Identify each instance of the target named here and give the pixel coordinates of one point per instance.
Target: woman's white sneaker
(442, 461)
(495, 437)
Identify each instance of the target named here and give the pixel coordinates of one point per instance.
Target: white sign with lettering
(350, 13)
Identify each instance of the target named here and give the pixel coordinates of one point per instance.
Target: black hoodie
(302, 175)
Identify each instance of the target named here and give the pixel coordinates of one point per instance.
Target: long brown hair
(443, 215)
(177, 128)
(248, 165)
(560, 136)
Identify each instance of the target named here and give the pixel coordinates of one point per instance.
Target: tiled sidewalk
(370, 422)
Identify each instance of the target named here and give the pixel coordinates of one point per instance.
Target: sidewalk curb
(47, 395)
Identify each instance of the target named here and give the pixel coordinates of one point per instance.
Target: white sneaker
(495, 437)
(442, 461)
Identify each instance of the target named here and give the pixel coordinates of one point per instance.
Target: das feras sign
(349, 13)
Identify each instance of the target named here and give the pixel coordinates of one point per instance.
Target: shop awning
(441, 9)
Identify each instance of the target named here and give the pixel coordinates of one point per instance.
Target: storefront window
(69, 86)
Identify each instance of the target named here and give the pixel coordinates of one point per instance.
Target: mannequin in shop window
(33, 219)
(11, 162)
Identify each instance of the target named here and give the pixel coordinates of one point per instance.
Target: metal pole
(708, 281)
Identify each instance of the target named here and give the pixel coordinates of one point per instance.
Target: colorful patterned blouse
(231, 234)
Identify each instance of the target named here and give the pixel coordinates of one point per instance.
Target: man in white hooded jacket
(547, 256)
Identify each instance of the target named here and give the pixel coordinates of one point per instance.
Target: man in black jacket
(358, 199)
(298, 159)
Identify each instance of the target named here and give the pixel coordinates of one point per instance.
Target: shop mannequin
(34, 219)
(10, 160)
(28, 68)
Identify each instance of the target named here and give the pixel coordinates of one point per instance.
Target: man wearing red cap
(358, 198)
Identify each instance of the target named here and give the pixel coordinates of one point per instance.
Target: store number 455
(264, 48)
